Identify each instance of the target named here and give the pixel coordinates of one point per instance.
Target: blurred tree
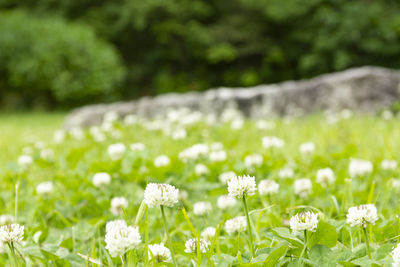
(179, 45)
(46, 61)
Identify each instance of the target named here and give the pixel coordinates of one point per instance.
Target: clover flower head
(116, 151)
(303, 187)
(268, 187)
(156, 195)
(325, 177)
(191, 245)
(225, 202)
(120, 238)
(362, 215)
(237, 224)
(304, 221)
(159, 252)
(11, 233)
(101, 179)
(241, 186)
(118, 204)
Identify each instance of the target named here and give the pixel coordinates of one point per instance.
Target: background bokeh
(60, 54)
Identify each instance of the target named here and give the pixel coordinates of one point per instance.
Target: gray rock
(365, 89)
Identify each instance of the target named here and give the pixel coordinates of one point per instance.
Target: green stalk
(367, 242)
(16, 202)
(249, 227)
(122, 260)
(11, 246)
(168, 237)
(305, 244)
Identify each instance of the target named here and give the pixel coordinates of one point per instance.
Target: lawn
(71, 185)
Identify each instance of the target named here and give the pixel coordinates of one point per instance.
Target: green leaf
(285, 234)
(275, 256)
(324, 235)
(322, 256)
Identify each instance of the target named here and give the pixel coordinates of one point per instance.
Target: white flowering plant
(190, 188)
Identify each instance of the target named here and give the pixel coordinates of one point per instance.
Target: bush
(180, 45)
(50, 61)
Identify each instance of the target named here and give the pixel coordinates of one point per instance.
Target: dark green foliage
(46, 60)
(180, 45)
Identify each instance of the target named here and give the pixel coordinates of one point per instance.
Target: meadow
(191, 189)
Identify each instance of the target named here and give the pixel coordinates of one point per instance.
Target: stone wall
(365, 89)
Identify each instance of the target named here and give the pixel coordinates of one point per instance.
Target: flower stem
(249, 227)
(305, 244)
(367, 242)
(12, 248)
(122, 260)
(168, 237)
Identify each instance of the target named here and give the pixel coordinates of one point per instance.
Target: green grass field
(65, 221)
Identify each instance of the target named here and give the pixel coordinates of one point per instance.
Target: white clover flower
(39, 145)
(130, 119)
(388, 164)
(217, 146)
(396, 256)
(268, 187)
(111, 116)
(303, 187)
(101, 179)
(359, 167)
(286, 173)
(225, 202)
(11, 233)
(307, 148)
(118, 204)
(159, 252)
(107, 127)
(77, 133)
(97, 134)
(59, 136)
(156, 195)
(237, 124)
(387, 114)
(253, 160)
(241, 186)
(230, 114)
(191, 245)
(47, 154)
(115, 224)
(304, 221)
(217, 156)
(179, 134)
(120, 238)
(25, 161)
(346, 114)
(396, 183)
(116, 151)
(325, 177)
(6, 219)
(27, 150)
(362, 215)
(265, 125)
(226, 176)
(194, 152)
(191, 118)
(183, 194)
(272, 142)
(201, 169)
(201, 208)
(237, 224)
(208, 234)
(137, 147)
(162, 161)
(45, 188)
